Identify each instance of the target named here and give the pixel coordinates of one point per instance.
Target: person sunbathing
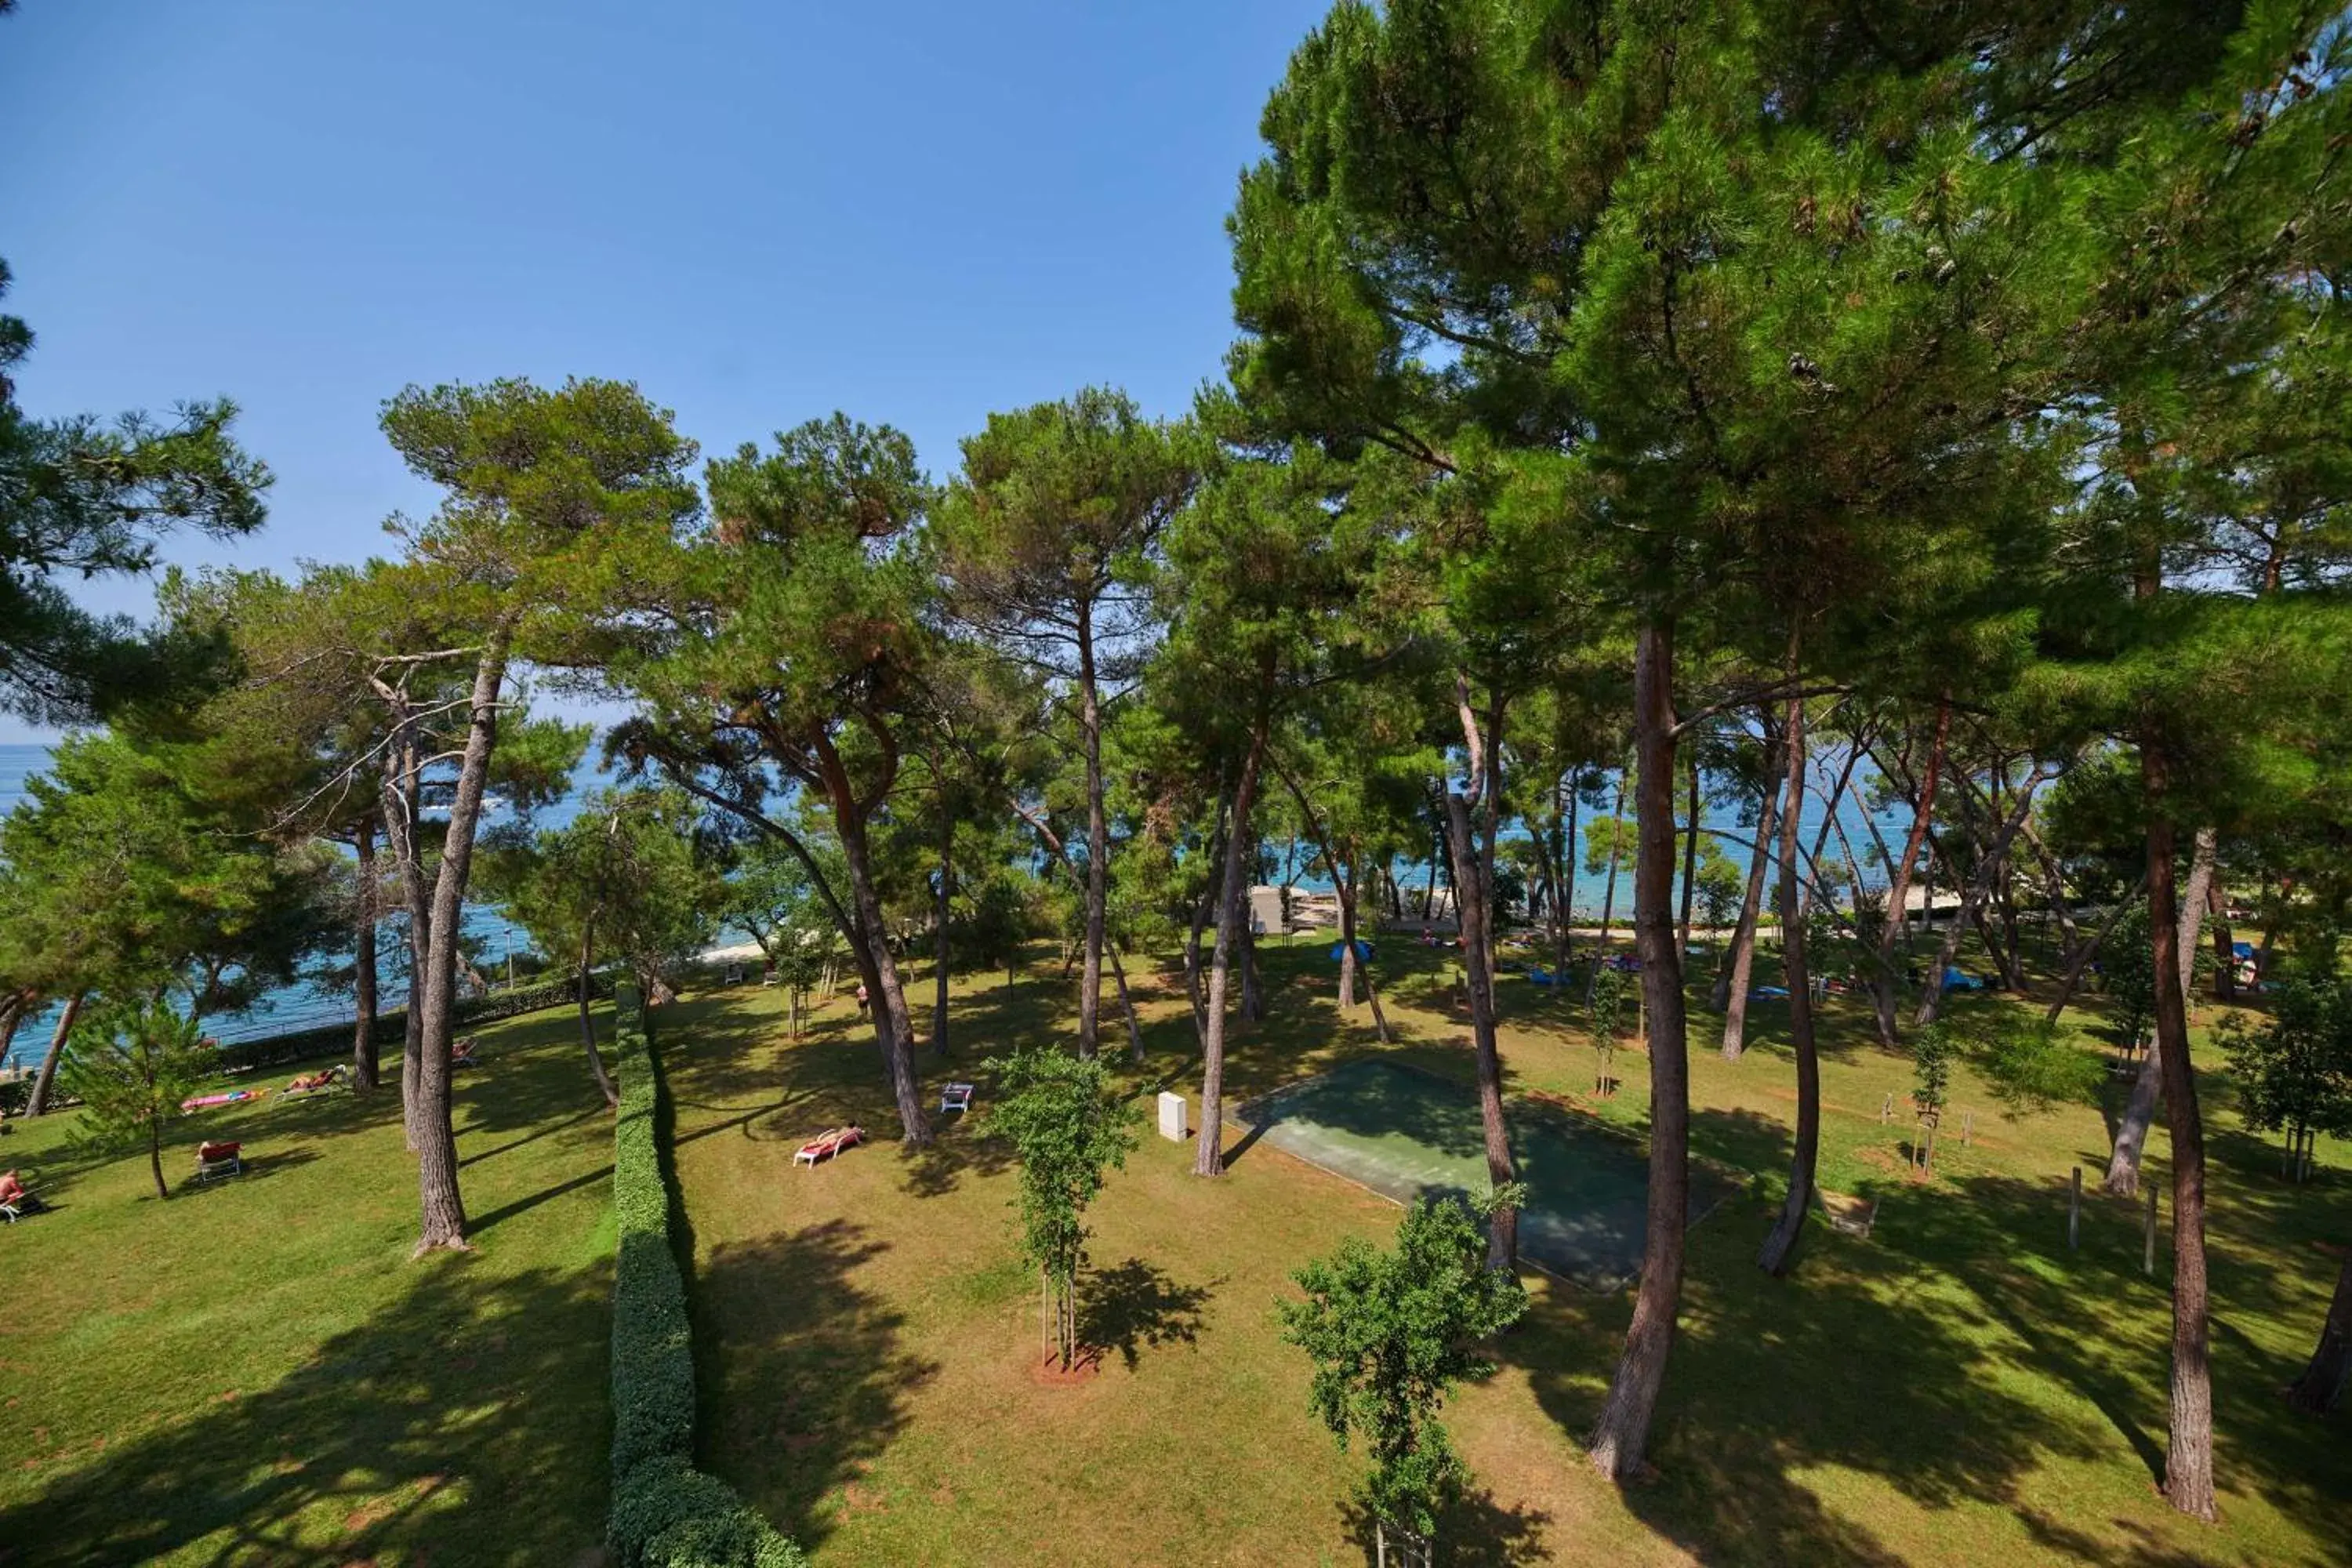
(11, 1189)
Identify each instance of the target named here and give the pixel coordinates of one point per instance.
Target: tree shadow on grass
(1951, 1358)
(1475, 1532)
(785, 1315)
(1137, 1305)
(423, 1431)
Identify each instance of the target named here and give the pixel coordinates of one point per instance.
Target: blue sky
(759, 213)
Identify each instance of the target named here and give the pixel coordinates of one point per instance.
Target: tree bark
(1472, 905)
(2089, 950)
(1690, 865)
(2139, 1111)
(442, 1215)
(1609, 887)
(1200, 913)
(1621, 1435)
(1126, 1006)
(1209, 1154)
(1731, 983)
(588, 1025)
(45, 1081)
(1899, 887)
(1972, 899)
(2189, 1455)
(1780, 1245)
(363, 974)
(893, 1029)
(1098, 834)
(155, 1157)
(939, 913)
(2321, 1386)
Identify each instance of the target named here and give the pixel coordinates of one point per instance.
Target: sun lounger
(16, 1200)
(215, 1161)
(955, 1097)
(312, 1083)
(230, 1097)
(829, 1143)
(461, 1053)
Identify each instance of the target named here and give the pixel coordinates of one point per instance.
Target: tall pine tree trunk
(940, 912)
(1473, 905)
(2139, 1111)
(1621, 1435)
(1609, 887)
(363, 974)
(2189, 1455)
(2321, 1386)
(1126, 1006)
(1098, 834)
(1780, 1247)
(588, 1022)
(1731, 983)
(443, 1208)
(1973, 898)
(894, 1029)
(1897, 929)
(45, 1081)
(1209, 1154)
(1690, 865)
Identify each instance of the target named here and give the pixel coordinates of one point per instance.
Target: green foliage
(1070, 1128)
(2127, 975)
(1390, 1334)
(625, 876)
(81, 497)
(665, 1513)
(1931, 1069)
(1610, 991)
(2032, 1065)
(2294, 1070)
(134, 1065)
(120, 878)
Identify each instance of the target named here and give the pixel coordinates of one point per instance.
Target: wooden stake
(2148, 1258)
(1886, 1111)
(2075, 1211)
(1968, 1121)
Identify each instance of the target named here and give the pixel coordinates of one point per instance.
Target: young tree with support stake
(1068, 1127)
(1390, 1332)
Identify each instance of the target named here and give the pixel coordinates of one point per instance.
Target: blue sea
(304, 1004)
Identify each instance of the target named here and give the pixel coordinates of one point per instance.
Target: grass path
(254, 1372)
(1958, 1389)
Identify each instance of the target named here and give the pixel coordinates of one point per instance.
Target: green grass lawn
(254, 1372)
(1958, 1389)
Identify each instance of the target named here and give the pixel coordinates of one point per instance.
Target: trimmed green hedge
(665, 1513)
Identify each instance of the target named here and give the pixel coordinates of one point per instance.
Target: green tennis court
(1403, 1133)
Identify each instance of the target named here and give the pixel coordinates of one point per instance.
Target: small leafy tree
(1068, 1127)
(2295, 1070)
(135, 1067)
(2030, 1066)
(2128, 974)
(1608, 1005)
(1931, 1080)
(1390, 1334)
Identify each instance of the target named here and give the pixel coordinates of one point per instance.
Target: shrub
(665, 1513)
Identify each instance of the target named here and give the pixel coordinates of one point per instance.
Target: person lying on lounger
(11, 1189)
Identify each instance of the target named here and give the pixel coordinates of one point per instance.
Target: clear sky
(758, 213)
